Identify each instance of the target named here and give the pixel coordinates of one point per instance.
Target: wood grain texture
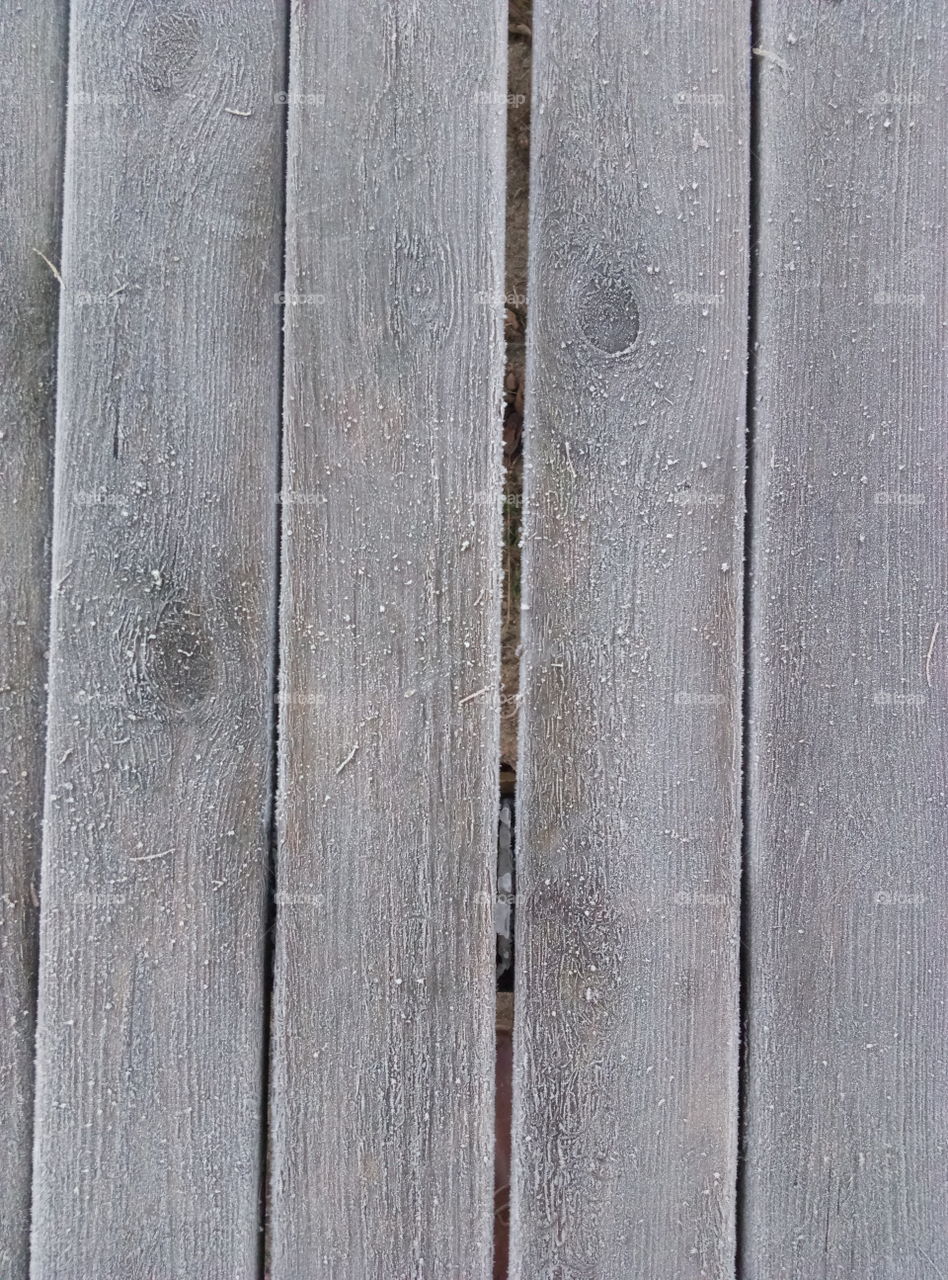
(847, 1107)
(626, 1029)
(381, 1087)
(33, 92)
(149, 1047)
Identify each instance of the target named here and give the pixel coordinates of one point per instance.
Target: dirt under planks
(519, 55)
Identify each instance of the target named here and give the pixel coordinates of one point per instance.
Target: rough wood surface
(381, 1097)
(149, 1051)
(626, 1029)
(847, 1108)
(32, 91)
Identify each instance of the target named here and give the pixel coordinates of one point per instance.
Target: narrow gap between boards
(753, 232)
(519, 75)
(269, 945)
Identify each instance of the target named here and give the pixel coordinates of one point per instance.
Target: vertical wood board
(382, 1076)
(629, 798)
(150, 1029)
(847, 1102)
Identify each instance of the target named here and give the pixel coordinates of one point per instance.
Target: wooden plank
(381, 1106)
(150, 1035)
(847, 1105)
(33, 91)
(627, 975)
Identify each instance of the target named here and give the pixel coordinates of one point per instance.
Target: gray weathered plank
(381, 1097)
(626, 1028)
(149, 1045)
(847, 1105)
(32, 91)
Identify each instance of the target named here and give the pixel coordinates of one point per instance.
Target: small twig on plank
(478, 693)
(52, 266)
(769, 56)
(348, 760)
(928, 656)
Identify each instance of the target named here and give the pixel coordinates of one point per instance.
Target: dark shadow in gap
(519, 72)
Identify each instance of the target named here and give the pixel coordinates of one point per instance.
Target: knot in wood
(608, 313)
